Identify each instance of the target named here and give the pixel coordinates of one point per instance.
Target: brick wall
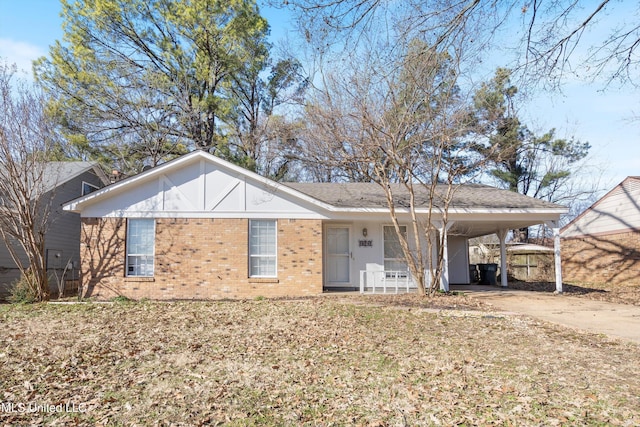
(608, 259)
(200, 259)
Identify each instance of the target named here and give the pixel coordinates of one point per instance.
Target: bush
(22, 292)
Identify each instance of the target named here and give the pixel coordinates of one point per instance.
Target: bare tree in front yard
(397, 117)
(27, 137)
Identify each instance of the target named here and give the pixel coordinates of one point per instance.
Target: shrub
(22, 291)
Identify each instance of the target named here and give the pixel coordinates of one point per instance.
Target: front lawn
(319, 361)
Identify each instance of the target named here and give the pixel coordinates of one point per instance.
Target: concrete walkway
(614, 320)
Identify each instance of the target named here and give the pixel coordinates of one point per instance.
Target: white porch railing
(386, 281)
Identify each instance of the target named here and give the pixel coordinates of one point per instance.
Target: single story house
(199, 227)
(602, 244)
(64, 181)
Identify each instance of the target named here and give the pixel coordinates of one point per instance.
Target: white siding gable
(201, 188)
(619, 210)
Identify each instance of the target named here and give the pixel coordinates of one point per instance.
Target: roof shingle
(372, 196)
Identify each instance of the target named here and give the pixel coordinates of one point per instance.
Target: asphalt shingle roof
(371, 195)
(56, 173)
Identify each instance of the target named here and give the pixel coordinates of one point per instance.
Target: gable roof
(120, 186)
(57, 173)
(618, 209)
(49, 175)
(341, 197)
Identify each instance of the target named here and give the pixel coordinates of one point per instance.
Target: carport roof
(372, 196)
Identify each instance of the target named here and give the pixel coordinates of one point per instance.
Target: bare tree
(549, 38)
(396, 117)
(27, 136)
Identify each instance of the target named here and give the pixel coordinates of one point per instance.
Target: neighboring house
(67, 180)
(199, 227)
(602, 245)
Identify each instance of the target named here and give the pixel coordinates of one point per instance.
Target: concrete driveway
(614, 320)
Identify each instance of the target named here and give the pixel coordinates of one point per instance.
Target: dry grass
(320, 361)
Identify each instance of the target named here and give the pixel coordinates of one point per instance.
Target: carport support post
(444, 274)
(555, 227)
(502, 235)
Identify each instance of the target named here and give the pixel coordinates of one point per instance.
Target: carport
(460, 213)
(499, 223)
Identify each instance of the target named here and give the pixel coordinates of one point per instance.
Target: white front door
(338, 262)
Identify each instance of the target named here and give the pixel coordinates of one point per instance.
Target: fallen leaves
(320, 361)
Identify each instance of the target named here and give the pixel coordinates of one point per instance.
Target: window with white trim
(394, 259)
(88, 188)
(141, 236)
(262, 248)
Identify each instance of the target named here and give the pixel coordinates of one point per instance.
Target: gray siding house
(68, 181)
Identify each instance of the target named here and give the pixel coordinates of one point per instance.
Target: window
(262, 248)
(394, 259)
(88, 188)
(140, 247)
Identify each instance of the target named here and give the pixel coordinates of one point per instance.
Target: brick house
(602, 245)
(199, 227)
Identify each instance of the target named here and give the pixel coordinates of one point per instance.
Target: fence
(386, 281)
